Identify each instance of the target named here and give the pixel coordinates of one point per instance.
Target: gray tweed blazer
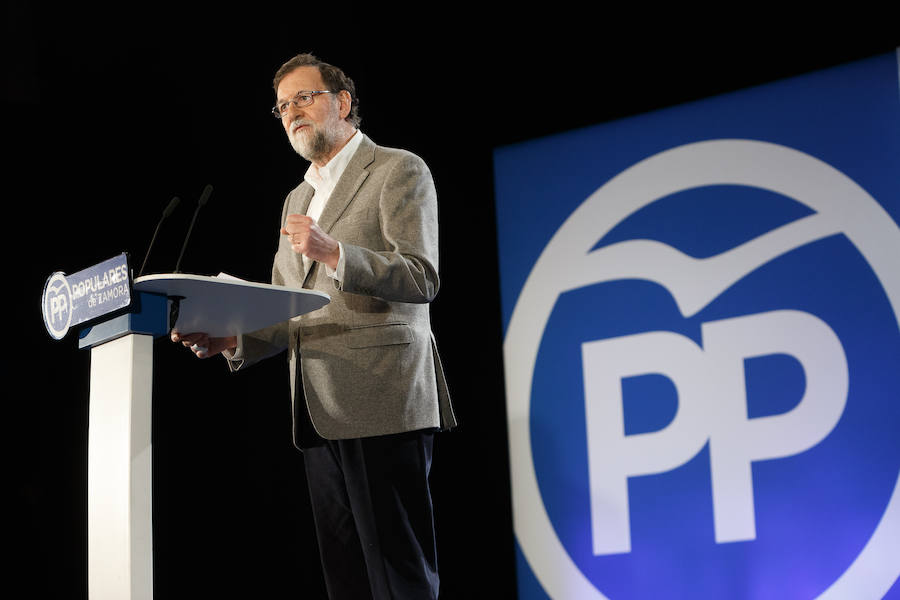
(368, 361)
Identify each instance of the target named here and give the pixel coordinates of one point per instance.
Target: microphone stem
(146, 256)
(187, 237)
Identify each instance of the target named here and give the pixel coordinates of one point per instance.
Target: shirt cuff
(338, 273)
(235, 357)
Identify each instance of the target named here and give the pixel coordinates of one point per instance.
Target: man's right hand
(202, 345)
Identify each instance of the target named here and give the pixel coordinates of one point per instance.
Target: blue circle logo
(719, 393)
(57, 305)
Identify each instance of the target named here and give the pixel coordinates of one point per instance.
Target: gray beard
(312, 150)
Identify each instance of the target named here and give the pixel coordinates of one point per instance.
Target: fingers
(296, 225)
(189, 339)
(308, 239)
(302, 232)
(299, 220)
(298, 229)
(204, 346)
(198, 343)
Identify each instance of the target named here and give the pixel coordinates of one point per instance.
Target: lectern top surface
(224, 305)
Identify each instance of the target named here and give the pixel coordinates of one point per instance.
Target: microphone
(168, 211)
(200, 202)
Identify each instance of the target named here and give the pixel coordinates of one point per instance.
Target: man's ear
(346, 101)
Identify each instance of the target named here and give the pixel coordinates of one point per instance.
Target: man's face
(314, 130)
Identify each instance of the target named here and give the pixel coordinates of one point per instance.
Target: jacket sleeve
(406, 271)
(258, 345)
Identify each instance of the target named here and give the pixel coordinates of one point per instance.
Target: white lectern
(120, 537)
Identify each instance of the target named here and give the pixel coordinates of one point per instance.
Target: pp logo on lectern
(710, 428)
(57, 305)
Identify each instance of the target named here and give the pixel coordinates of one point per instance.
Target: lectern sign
(99, 290)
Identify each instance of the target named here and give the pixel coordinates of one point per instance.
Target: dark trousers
(372, 508)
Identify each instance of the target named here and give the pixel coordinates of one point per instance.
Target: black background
(110, 111)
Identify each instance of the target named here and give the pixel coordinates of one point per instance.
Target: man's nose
(293, 112)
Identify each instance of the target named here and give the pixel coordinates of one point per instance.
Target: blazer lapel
(348, 185)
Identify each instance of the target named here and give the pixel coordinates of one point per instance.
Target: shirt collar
(328, 174)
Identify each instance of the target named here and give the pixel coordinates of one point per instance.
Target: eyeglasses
(300, 99)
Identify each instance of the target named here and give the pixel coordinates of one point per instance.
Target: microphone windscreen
(205, 195)
(171, 207)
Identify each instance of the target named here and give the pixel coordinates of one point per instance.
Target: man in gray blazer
(367, 383)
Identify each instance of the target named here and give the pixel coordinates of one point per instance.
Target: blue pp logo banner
(702, 349)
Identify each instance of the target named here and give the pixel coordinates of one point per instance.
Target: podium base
(120, 546)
